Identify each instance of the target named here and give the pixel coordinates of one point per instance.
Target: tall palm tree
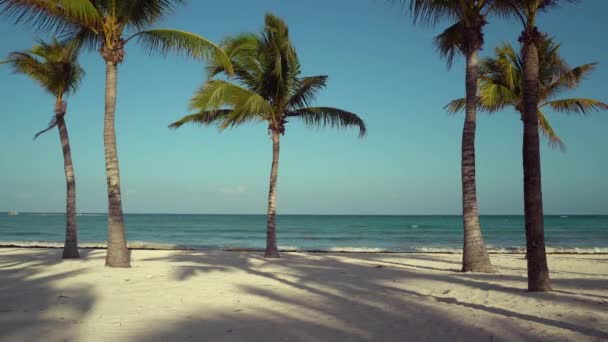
(500, 86)
(267, 88)
(465, 36)
(527, 11)
(54, 66)
(108, 25)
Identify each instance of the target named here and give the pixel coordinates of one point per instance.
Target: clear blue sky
(379, 66)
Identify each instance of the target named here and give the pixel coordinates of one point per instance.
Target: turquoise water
(309, 232)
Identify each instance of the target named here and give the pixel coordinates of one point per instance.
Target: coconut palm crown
(267, 87)
(53, 65)
(500, 86)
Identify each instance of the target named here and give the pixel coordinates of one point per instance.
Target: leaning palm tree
(267, 88)
(107, 26)
(464, 36)
(54, 66)
(500, 86)
(527, 11)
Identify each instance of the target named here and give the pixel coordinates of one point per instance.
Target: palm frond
(51, 125)
(450, 42)
(494, 97)
(546, 5)
(279, 60)
(81, 39)
(328, 116)
(546, 130)
(580, 106)
(244, 105)
(217, 93)
(456, 106)
(52, 15)
(431, 12)
(305, 91)
(242, 49)
(165, 41)
(54, 66)
(204, 117)
(566, 79)
(140, 14)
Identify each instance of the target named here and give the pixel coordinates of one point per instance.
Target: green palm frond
(140, 14)
(566, 79)
(456, 106)
(82, 39)
(450, 42)
(305, 91)
(215, 94)
(54, 66)
(431, 12)
(21, 62)
(52, 15)
(580, 106)
(244, 104)
(327, 116)
(205, 118)
(546, 130)
(165, 41)
(242, 50)
(494, 97)
(489, 105)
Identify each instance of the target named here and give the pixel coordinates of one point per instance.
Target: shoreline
(142, 246)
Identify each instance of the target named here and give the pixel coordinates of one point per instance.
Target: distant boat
(13, 213)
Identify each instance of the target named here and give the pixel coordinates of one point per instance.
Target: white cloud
(232, 190)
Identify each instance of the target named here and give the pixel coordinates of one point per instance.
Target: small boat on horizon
(13, 213)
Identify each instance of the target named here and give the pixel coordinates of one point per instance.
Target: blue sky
(379, 66)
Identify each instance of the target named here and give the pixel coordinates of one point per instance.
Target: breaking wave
(437, 250)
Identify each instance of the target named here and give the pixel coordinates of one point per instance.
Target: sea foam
(437, 250)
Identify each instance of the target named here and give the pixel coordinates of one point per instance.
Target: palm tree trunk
(475, 257)
(118, 254)
(70, 247)
(538, 271)
(271, 236)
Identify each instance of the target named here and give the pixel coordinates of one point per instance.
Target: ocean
(503, 234)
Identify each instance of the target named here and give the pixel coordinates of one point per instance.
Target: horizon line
(294, 214)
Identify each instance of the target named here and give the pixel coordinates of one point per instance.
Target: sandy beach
(238, 296)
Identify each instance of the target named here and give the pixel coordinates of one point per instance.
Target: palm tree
(526, 11)
(267, 88)
(108, 25)
(501, 86)
(55, 67)
(464, 36)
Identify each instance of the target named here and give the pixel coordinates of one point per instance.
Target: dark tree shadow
(27, 296)
(386, 299)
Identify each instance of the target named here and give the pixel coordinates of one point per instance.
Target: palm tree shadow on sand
(352, 297)
(28, 294)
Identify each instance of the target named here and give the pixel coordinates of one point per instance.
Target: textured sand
(231, 296)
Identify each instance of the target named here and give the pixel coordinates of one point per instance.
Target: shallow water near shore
(503, 234)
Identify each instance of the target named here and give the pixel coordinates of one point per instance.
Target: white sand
(230, 296)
